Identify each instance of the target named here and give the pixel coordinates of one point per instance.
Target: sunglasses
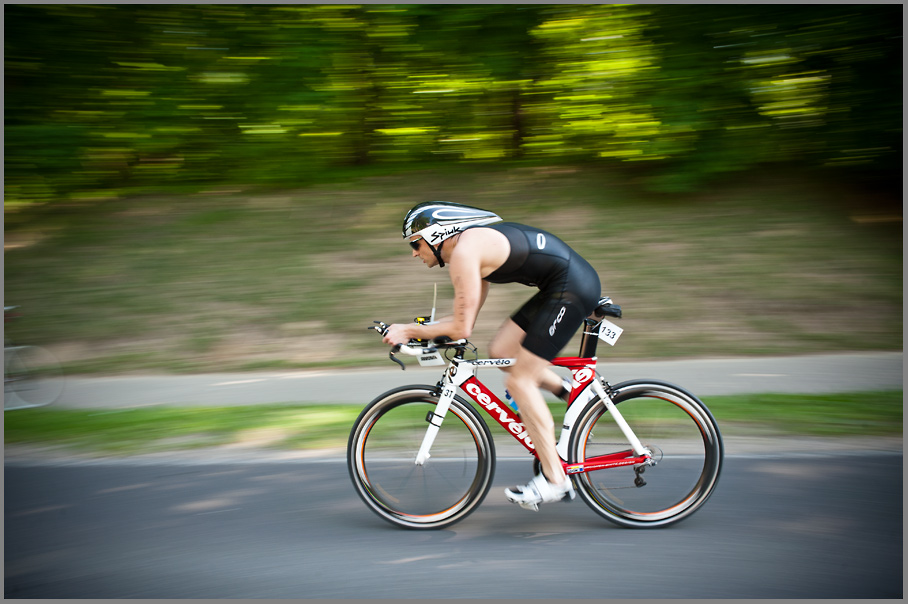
(415, 244)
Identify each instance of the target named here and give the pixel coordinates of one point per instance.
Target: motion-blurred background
(211, 187)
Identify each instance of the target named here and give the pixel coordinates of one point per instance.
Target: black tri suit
(569, 288)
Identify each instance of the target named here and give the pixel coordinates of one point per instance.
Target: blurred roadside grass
(309, 427)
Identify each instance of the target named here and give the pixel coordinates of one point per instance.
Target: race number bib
(609, 332)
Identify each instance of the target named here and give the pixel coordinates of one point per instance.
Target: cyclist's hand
(397, 334)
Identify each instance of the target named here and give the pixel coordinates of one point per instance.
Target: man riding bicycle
(480, 249)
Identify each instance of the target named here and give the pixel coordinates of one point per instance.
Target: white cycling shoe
(539, 490)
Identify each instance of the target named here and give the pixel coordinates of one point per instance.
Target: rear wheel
(381, 455)
(685, 443)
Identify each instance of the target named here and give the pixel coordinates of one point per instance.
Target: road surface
(809, 526)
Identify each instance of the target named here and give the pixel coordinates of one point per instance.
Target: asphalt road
(812, 526)
(801, 374)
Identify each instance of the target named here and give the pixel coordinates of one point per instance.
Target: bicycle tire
(32, 377)
(382, 448)
(684, 438)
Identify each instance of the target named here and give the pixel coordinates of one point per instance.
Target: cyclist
(480, 249)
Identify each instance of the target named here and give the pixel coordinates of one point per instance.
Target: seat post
(589, 340)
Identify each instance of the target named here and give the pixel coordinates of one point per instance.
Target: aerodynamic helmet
(436, 221)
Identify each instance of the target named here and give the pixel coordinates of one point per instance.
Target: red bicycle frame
(583, 371)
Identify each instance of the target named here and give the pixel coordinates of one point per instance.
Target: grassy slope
(245, 279)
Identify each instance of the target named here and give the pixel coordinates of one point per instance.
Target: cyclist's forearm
(401, 333)
(448, 326)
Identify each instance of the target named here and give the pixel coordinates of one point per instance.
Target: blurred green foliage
(104, 98)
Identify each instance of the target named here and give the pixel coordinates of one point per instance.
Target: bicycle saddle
(607, 309)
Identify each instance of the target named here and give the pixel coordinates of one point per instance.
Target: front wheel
(381, 455)
(686, 447)
(32, 377)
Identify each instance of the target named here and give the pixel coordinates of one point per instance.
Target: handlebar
(415, 348)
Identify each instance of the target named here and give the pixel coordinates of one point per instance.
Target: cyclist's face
(422, 251)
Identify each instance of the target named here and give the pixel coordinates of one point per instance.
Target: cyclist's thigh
(506, 343)
(553, 327)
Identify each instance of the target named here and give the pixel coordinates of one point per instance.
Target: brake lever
(395, 359)
(382, 328)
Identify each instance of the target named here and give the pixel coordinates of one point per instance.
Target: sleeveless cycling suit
(569, 288)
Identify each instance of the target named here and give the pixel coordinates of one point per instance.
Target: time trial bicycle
(642, 453)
